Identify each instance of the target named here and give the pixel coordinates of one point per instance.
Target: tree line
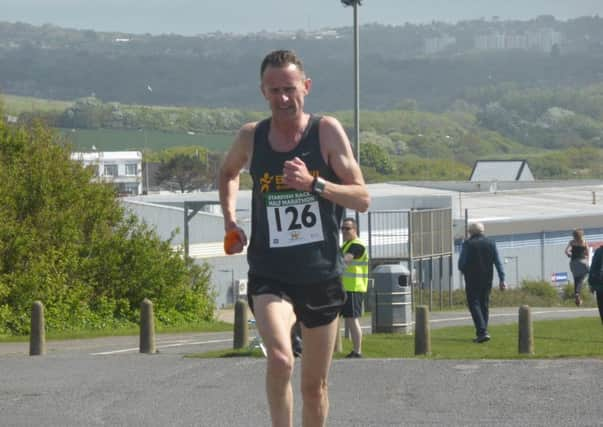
(52, 62)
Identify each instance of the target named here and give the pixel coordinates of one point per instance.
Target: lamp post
(149, 89)
(355, 4)
(146, 169)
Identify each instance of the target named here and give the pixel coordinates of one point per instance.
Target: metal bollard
(37, 335)
(526, 335)
(147, 327)
(241, 325)
(422, 331)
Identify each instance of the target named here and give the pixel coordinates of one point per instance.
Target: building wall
(168, 221)
(533, 256)
(126, 180)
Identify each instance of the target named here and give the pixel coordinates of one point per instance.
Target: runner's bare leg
(319, 344)
(274, 318)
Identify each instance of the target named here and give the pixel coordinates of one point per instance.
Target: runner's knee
(280, 363)
(314, 390)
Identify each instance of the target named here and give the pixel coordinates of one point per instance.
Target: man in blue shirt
(478, 256)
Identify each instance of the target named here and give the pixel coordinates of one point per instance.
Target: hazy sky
(244, 16)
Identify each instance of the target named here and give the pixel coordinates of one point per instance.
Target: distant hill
(435, 98)
(430, 66)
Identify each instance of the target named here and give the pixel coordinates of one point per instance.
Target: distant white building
(543, 39)
(437, 44)
(501, 170)
(11, 119)
(121, 168)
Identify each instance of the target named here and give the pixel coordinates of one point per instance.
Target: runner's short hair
(279, 59)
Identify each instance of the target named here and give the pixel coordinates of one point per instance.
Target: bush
(532, 293)
(67, 242)
(567, 294)
(540, 289)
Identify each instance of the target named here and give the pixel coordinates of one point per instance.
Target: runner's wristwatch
(318, 185)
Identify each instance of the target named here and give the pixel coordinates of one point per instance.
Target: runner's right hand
(234, 241)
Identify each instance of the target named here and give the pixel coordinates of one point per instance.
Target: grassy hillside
(16, 105)
(559, 132)
(131, 139)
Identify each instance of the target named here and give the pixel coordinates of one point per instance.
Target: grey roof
(538, 205)
(501, 170)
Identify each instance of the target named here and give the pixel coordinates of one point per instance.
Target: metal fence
(422, 240)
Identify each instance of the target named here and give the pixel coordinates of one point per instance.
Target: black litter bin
(392, 311)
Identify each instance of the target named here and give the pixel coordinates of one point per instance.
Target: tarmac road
(106, 382)
(69, 389)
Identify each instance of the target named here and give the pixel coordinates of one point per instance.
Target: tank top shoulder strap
(261, 131)
(312, 131)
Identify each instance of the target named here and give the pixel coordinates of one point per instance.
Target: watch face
(319, 185)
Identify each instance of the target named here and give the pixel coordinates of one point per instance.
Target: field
(125, 140)
(117, 139)
(16, 105)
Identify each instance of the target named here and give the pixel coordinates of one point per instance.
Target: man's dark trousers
(478, 299)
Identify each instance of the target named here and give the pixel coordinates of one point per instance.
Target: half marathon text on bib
(293, 218)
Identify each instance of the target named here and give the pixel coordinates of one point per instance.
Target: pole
(356, 97)
(146, 169)
(186, 237)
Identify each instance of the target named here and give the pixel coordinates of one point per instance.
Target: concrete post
(37, 335)
(241, 325)
(526, 336)
(422, 331)
(147, 327)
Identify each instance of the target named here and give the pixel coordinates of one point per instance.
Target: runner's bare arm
(237, 158)
(336, 148)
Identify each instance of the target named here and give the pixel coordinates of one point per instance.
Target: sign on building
(561, 277)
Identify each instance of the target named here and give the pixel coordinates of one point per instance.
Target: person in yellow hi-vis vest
(355, 282)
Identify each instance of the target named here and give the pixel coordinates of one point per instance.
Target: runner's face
(285, 89)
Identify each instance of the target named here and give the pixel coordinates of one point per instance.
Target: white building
(543, 39)
(437, 44)
(122, 168)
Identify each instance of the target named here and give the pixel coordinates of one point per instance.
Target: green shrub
(68, 242)
(540, 289)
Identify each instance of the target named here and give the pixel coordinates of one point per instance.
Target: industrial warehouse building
(531, 222)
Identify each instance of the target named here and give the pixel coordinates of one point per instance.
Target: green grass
(580, 337)
(133, 139)
(20, 104)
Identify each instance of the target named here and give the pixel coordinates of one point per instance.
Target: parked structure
(531, 222)
(501, 170)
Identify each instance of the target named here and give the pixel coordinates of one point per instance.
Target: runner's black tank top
(294, 234)
(579, 252)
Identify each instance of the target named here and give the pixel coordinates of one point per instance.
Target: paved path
(106, 382)
(69, 390)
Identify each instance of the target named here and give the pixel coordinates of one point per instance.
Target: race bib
(293, 219)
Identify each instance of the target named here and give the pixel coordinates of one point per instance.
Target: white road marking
(452, 319)
(181, 343)
(178, 344)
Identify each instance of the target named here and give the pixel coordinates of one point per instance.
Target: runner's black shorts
(353, 305)
(314, 304)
